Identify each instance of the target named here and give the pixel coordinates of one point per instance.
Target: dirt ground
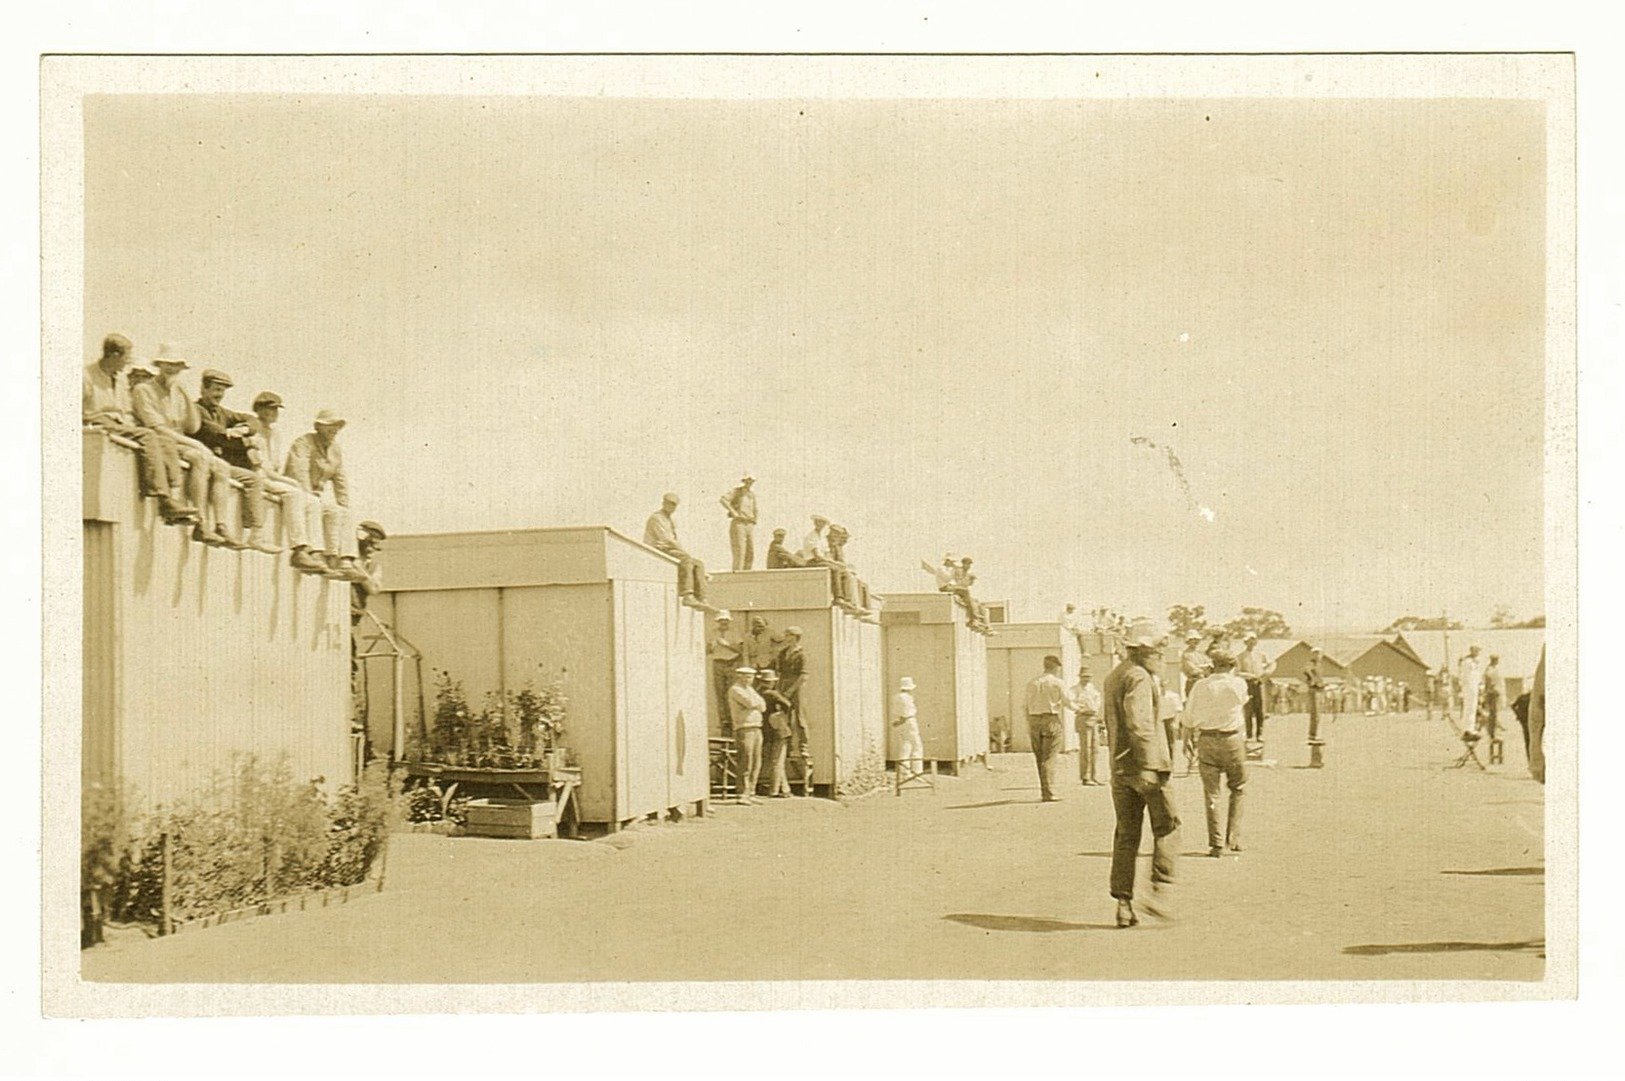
(1384, 865)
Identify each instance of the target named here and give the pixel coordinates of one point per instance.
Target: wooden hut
(842, 696)
(498, 609)
(925, 636)
(194, 656)
(1015, 657)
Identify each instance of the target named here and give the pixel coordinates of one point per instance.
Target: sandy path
(1424, 873)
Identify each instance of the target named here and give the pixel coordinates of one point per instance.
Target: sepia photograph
(579, 532)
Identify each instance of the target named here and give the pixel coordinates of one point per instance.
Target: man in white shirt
(1085, 697)
(747, 708)
(905, 723)
(301, 511)
(1215, 712)
(1472, 679)
(1046, 701)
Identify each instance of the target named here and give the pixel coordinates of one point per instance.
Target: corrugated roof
(1518, 649)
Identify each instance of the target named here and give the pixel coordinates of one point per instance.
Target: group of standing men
(192, 452)
(757, 681)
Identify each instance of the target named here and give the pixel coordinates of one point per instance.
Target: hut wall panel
(195, 635)
(1015, 657)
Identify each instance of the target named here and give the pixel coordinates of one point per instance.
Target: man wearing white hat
(724, 653)
(905, 723)
(741, 507)
(107, 405)
(164, 406)
(316, 463)
(1141, 770)
(1193, 663)
(747, 707)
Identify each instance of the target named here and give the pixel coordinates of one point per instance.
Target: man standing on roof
(660, 533)
(1141, 771)
(1253, 667)
(741, 507)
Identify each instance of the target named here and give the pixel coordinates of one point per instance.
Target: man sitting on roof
(316, 464)
(660, 533)
(227, 433)
(164, 406)
(106, 405)
(301, 511)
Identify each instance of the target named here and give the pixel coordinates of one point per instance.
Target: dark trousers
(721, 680)
(1133, 806)
(1255, 709)
(1047, 736)
(690, 576)
(1222, 758)
(1314, 714)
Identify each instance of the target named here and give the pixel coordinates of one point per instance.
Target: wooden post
(165, 923)
(397, 750)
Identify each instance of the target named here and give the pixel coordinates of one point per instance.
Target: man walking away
(741, 507)
(1141, 769)
(1215, 710)
(1046, 698)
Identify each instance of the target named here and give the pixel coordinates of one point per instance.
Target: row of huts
(193, 655)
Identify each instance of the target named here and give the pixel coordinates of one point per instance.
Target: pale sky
(939, 323)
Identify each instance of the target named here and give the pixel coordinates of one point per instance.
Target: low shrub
(250, 837)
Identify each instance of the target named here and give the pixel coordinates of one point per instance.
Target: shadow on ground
(989, 803)
(1535, 946)
(1500, 871)
(1030, 924)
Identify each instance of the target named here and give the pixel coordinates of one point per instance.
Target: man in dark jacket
(1141, 769)
(226, 432)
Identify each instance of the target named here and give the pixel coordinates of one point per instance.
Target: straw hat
(906, 683)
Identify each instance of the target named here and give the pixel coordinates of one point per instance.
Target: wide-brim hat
(744, 670)
(1143, 633)
(329, 418)
(748, 478)
(167, 355)
(906, 683)
(1193, 636)
(724, 614)
(768, 675)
